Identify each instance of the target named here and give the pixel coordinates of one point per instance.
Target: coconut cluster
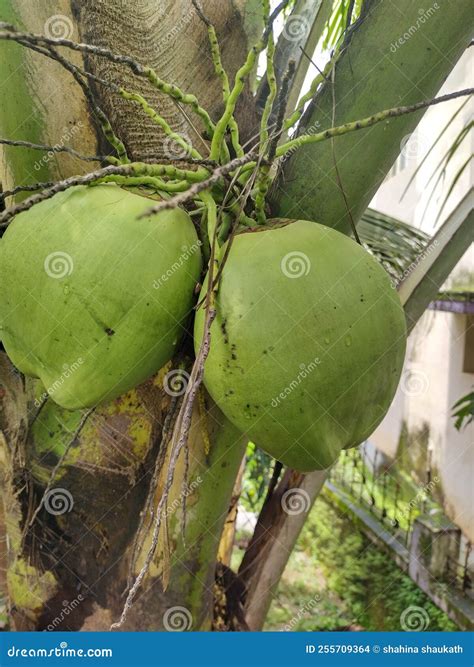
(307, 345)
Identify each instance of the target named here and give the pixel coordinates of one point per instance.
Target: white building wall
(433, 379)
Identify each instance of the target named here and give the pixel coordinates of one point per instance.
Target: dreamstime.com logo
(295, 501)
(186, 253)
(420, 497)
(61, 651)
(68, 370)
(58, 501)
(176, 382)
(302, 612)
(414, 383)
(295, 264)
(414, 619)
(59, 27)
(174, 33)
(177, 619)
(65, 138)
(296, 28)
(185, 493)
(305, 370)
(312, 129)
(420, 21)
(413, 146)
(419, 259)
(175, 150)
(68, 607)
(58, 265)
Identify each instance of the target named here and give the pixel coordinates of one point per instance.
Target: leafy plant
(257, 475)
(344, 12)
(464, 411)
(373, 590)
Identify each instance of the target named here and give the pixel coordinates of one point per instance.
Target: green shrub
(371, 586)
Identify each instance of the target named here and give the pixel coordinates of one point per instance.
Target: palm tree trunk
(85, 554)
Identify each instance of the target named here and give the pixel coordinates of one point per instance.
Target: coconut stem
(159, 120)
(367, 122)
(364, 123)
(136, 181)
(134, 169)
(239, 83)
(57, 149)
(211, 207)
(262, 181)
(197, 188)
(221, 73)
(307, 97)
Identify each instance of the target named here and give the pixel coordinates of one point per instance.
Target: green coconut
(308, 342)
(93, 299)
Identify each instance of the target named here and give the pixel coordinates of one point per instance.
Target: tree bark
(85, 554)
(169, 37)
(278, 527)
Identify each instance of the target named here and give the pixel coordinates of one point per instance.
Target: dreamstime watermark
(58, 265)
(312, 129)
(414, 145)
(414, 382)
(59, 26)
(305, 370)
(302, 612)
(186, 253)
(65, 138)
(296, 27)
(295, 501)
(58, 501)
(68, 370)
(185, 493)
(420, 21)
(61, 651)
(175, 31)
(177, 619)
(175, 150)
(176, 382)
(295, 264)
(414, 619)
(68, 607)
(419, 259)
(420, 498)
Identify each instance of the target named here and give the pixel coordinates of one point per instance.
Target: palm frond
(395, 244)
(344, 12)
(433, 145)
(456, 178)
(438, 174)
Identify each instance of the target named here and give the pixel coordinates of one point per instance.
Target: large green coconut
(308, 343)
(93, 300)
